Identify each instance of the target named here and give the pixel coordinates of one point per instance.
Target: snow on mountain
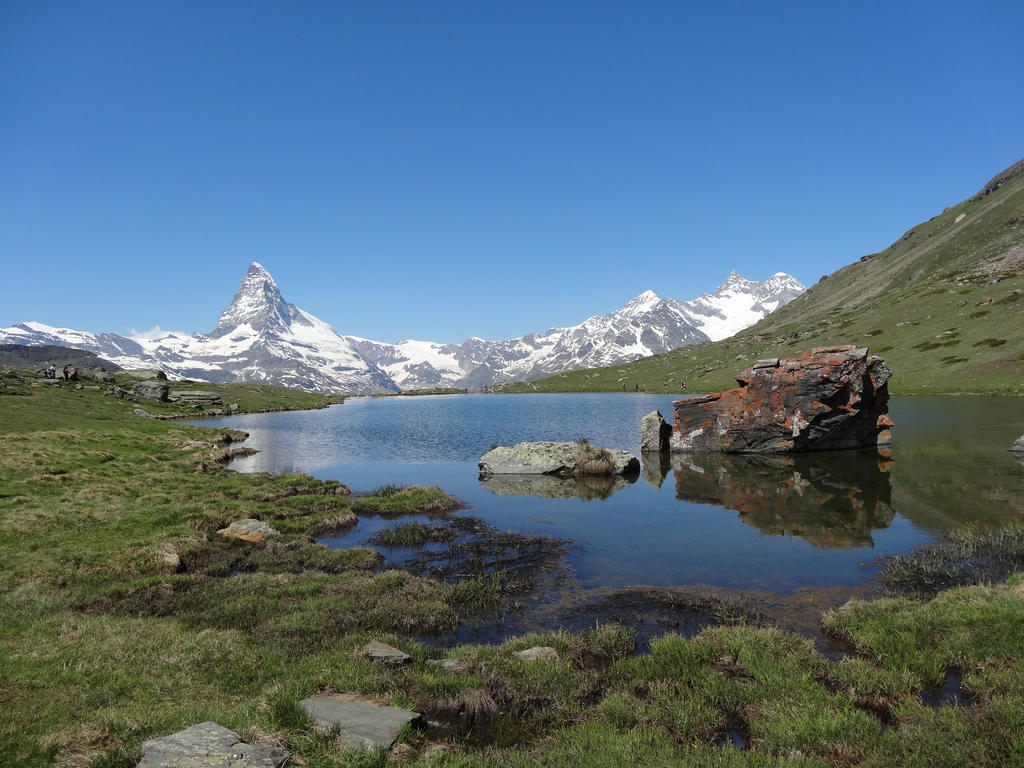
(646, 325)
(739, 303)
(260, 337)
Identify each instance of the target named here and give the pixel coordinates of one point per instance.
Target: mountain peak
(645, 299)
(257, 303)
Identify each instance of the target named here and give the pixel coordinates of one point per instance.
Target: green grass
(125, 616)
(876, 298)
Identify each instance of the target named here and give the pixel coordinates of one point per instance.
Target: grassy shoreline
(124, 616)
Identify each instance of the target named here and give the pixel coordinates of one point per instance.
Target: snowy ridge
(262, 338)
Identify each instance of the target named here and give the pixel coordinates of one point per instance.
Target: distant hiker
(636, 387)
(51, 372)
(682, 384)
(67, 373)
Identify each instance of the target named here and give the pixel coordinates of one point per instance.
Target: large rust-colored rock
(830, 398)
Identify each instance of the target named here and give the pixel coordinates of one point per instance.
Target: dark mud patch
(654, 611)
(948, 693)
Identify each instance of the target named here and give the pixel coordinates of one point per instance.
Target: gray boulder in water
(550, 458)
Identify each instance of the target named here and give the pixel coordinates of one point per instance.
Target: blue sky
(438, 170)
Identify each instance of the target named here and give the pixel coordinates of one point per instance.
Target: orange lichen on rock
(829, 398)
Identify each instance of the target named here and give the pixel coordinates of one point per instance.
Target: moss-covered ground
(124, 616)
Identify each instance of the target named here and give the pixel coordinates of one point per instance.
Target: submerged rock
(830, 398)
(549, 458)
(360, 724)
(209, 745)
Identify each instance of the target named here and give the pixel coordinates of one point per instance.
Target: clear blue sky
(437, 170)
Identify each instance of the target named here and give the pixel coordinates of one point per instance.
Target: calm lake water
(764, 525)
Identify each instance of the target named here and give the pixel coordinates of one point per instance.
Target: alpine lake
(778, 538)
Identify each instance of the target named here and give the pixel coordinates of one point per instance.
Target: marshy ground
(124, 616)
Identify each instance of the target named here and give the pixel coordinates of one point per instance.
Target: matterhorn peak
(258, 304)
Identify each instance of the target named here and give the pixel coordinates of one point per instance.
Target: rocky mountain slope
(262, 338)
(944, 305)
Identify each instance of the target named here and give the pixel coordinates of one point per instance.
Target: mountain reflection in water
(833, 500)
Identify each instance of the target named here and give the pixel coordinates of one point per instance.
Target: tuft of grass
(411, 500)
(412, 535)
(591, 460)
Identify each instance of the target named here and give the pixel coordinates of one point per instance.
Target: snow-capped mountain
(262, 338)
(259, 338)
(647, 325)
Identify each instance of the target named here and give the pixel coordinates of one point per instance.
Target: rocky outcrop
(548, 458)
(655, 432)
(154, 390)
(830, 398)
(195, 396)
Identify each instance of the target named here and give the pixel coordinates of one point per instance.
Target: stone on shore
(537, 652)
(360, 724)
(654, 432)
(248, 529)
(209, 745)
(154, 390)
(385, 654)
(830, 398)
(1018, 445)
(547, 458)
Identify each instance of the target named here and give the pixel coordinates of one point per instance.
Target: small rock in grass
(537, 652)
(451, 665)
(1018, 445)
(208, 745)
(360, 724)
(385, 654)
(248, 529)
(143, 413)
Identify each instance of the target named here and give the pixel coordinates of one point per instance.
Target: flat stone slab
(545, 652)
(248, 529)
(209, 745)
(385, 654)
(360, 724)
(546, 458)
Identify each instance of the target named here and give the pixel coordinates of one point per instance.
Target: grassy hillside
(944, 305)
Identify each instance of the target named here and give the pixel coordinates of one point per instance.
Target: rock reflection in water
(585, 487)
(832, 500)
